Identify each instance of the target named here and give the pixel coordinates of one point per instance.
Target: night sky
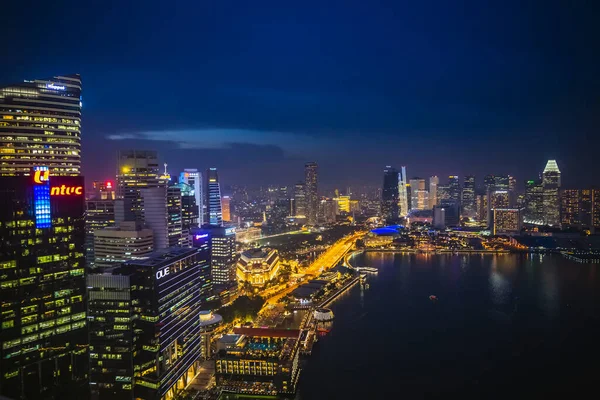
(257, 88)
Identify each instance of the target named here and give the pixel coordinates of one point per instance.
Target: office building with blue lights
(43, 349)
(214, 211)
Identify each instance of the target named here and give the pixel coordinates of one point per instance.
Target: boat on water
(433, 298)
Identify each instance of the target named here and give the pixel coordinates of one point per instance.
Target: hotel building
(258, 266)
(261, 361)
(507, 221)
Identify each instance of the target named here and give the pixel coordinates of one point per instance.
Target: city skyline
(466, 90)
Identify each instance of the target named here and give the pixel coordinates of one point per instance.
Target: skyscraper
(419, 195)
(312, 199)
(99, 214)
(534, 201)
(226, 203)
(434, 181)
(221, 242)
(214, 213)
(403, 204)
(300, 200)
(128, 240)
(145, 325)
(176, 234)
(40, 125)
(506, 221)
(596, 210)
(155, 215)
(43, 341)
(497, 199)
(551, 184)
(570, 208)
(454, 191)
(136, 170)
(389, 194)
(586, 209)
(469, 206)
(193, 178)
(189, 208)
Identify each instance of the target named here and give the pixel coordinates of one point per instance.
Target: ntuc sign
(41, 175)
(64, 190)
(41, 178)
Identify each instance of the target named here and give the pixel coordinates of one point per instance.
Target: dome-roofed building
(258, 266)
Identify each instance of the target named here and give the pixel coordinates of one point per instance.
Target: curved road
(327, 260)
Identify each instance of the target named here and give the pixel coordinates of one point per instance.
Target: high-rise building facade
(434, 181)
(189, 210)
(312, 196)
(454, 192)
(586, 209)
(43, 341)
(329, 209)
(136, 170)
(534, 201)
(596, 210)
(40, 125)
(221, 241)
(103, 190)
(194, 178)
(214, 211)
(300, 200)
(506, 221)
(389, 194)
(110, 316)
(551, 183)
(175, 232)
(226, 204)
(128, 240)
(419, 194)
(570, 208)
(99, 214)
(482, 207)
(469, 206)
(403, 199)
(146, 345)
(155, 214)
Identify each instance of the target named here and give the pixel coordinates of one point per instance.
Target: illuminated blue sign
(41, 198)
(203, 236)
(229, 231)
(55, 87)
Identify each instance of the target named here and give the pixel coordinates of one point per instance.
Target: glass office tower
(43, 337)
(389, 194)
(40, 124)
(213, 193)
(312, 197)
(145, 325)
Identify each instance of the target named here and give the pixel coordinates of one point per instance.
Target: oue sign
(161, 273)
